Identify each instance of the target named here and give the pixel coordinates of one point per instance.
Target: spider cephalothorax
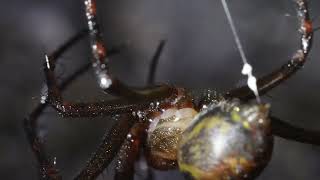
(213, 136)
(165, 130)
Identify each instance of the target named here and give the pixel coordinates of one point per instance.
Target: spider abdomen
(227, 142)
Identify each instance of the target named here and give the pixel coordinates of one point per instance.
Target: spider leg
(46, 164)
(100, 108)
(269, 81)
(129, 152)
(109, 147)
(106, 81)
(130, 149)
(72, 109)
(76, 38)
(68, 44)
(79, 109)
(287, 131)
(47, 168)
(154, 62)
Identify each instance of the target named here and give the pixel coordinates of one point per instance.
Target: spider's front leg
(129, 150)
(100, 61)
(275, 78)
(113, 139)
(47, 169)
(98, 108)
(106, 81)
(79, 109)
(72, 109)
(46, 164)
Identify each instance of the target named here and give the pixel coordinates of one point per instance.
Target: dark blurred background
(200, 53)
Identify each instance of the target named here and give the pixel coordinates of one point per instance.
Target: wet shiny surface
(227, 141)
(43, 25)
(165, 130)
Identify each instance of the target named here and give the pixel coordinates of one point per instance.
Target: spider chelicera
(212, 136)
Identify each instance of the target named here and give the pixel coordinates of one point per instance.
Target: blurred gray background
(200, 53)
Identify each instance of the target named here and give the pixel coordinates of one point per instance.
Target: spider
(211, 136)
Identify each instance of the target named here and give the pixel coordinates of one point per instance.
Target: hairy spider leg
(265, 84)
(48, 58)
(275, 78)
(72, 109)
(47, 169)
(106, 81)
(78, 109)
(132, 148)
(46, 165)
(154, 62)
(108, 148)
(130, 152)
(106, 151)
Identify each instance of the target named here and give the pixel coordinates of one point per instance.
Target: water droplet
(54, 160)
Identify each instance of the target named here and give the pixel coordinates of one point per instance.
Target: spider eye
(228, 141)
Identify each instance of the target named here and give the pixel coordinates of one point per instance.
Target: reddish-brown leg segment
(129, 152)
(100, 108)
(112, 140)
(47, 169)
(268, 82)
(108, 148)
(140, 96)
(46, 164)
(106, 81)
(131, 148)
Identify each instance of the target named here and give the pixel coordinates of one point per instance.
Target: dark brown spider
(208, 137)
